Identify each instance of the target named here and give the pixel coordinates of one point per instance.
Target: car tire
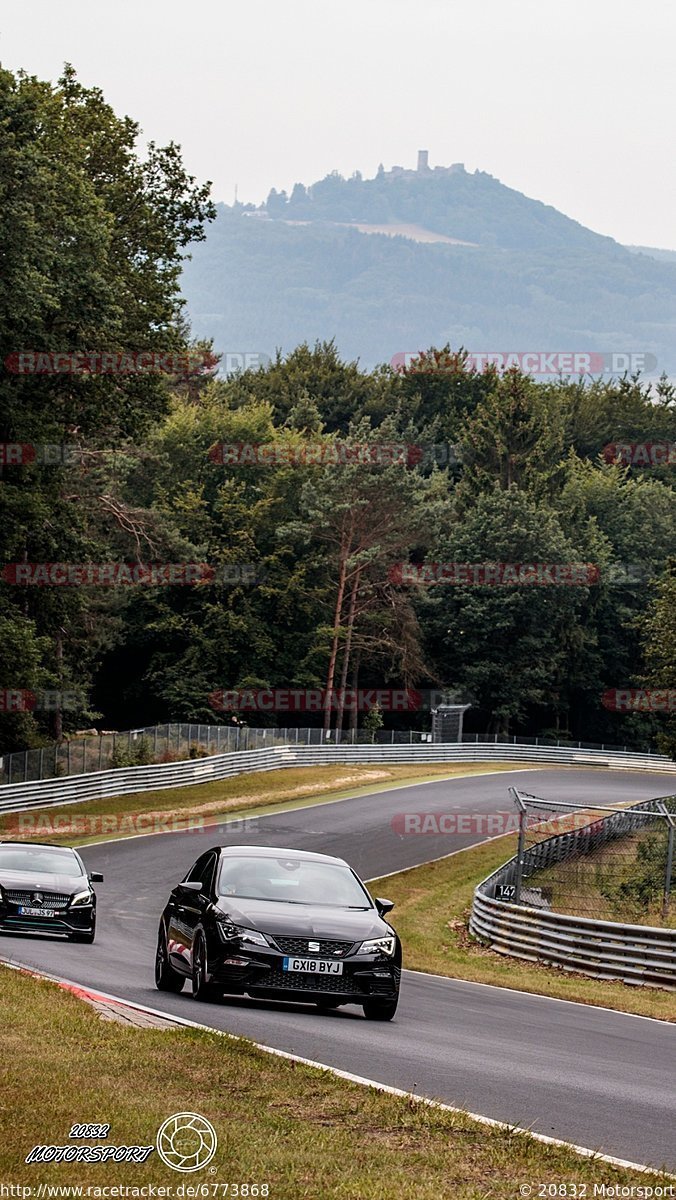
(380, 1010)
(87, 936)
(201, 988)
(166, 978)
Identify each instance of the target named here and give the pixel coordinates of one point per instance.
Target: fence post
(670, 858)
(670, 866)
(42, 755)
(522, 841)
(68, 757)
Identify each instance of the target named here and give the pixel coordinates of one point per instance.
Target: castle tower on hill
(423, 168)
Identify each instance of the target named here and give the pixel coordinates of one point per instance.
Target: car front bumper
(262, 974)
(64, 923)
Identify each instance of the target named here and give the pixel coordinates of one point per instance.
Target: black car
(46, 889)
(279, 924)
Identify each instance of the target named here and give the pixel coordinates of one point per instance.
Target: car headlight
(85, 897)
(250, 937)
(386, 944)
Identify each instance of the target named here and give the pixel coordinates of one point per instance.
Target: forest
(170, 534)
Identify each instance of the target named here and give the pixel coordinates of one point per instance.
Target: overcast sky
(571, 103)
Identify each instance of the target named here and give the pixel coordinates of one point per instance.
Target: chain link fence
(603, 862)
(177, 742)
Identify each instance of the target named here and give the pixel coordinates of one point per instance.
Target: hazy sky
(572, 103)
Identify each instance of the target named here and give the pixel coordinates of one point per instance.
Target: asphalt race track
(593, 1077)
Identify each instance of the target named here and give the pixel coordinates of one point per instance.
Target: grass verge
(208, 803)
(300, 1130)
(432, 906)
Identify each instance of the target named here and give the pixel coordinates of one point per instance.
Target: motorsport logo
(530, 362)
(185, 1142)
(100, 1153)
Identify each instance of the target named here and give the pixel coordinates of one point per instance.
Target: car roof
(39, 846)
(277, 852)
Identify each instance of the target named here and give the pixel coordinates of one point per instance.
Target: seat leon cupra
(46, 889)
(279, 924)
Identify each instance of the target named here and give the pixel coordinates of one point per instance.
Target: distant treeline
(168, 535)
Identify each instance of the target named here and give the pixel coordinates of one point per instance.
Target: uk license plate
(36, 912)
(313, 966)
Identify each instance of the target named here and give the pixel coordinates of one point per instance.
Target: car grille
(298, 981)
(296, 945)
(49, 899)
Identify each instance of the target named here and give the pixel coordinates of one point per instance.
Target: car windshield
(39, 861)
(292, 880)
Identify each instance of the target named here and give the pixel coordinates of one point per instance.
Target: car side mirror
(95, 877)
(384, 906)
(189, 888)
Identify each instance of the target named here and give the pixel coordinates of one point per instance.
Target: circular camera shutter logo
(186, 1142)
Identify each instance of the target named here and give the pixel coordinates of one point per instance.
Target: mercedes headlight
(247, 937)
(84, 897)
(385, 944)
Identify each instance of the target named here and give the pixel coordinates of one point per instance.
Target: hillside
(415, 258)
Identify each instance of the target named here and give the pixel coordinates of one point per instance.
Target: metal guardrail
(172, 743)
(121, 781)
(639, 954)
(75, 789)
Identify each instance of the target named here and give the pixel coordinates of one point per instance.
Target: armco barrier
(639, 954)
(122, 781)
